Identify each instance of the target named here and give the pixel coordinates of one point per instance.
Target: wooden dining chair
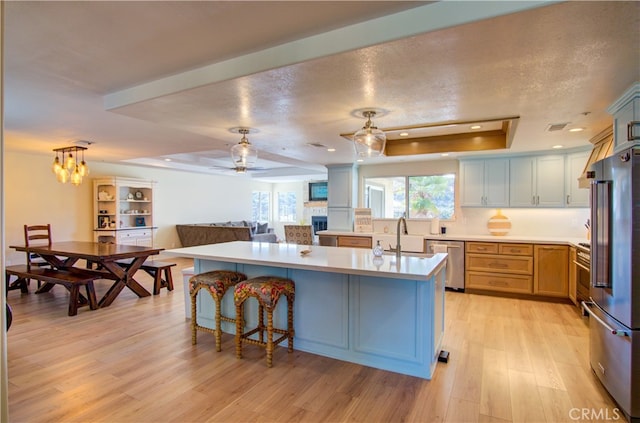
(37, 235)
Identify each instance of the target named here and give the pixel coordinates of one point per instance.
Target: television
(318, 191)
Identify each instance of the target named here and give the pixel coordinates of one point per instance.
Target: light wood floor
(511, 360)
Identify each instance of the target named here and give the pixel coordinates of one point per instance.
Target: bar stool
(216, 283)
(267, 290)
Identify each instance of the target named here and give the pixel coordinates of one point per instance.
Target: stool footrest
(264, 343)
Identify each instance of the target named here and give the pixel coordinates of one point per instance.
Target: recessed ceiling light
(557, 146)
(404, 134)
(576, 129)
(445, 154)
(360, 160)
(167, 160)
(331, 150)
(475, 126)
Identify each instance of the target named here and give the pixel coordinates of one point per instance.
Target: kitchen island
(382, 312)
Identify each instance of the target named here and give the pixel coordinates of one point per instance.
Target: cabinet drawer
(481, 247)
(134, 234)
(354, 241)
(521, 265)
(516, 249)
(499, 282)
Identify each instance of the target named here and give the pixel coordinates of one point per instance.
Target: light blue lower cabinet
(390, 324)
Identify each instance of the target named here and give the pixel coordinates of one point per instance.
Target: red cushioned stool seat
(267, 290)
(216, 283)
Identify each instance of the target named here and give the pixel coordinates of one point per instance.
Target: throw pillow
(262, 228)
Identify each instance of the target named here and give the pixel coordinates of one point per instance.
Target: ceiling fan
(239, 168)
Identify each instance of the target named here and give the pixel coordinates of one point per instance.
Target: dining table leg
(124, 277)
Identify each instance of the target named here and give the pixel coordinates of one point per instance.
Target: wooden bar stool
(216, 283)
(267, 290)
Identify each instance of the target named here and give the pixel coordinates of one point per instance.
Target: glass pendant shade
(63, 176)
(83, 168)
(243, 154)
(76, 178)
(70, 163)
(55, 168)
(369, 141)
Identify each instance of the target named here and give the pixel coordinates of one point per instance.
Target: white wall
(32, 196)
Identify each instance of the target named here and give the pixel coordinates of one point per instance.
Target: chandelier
(369, 141)
(243, 154)
(66, 166)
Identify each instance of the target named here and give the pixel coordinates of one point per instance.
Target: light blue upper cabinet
(537, 181)
(626, 119)
(484, 183)
(576, 196)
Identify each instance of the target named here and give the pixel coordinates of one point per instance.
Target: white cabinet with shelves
(537, 181)
(485, 183)
(123, 211)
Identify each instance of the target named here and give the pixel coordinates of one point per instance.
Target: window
(431, 196)
(419, 197)
(261, 206)
(385, 196)
(287, 206)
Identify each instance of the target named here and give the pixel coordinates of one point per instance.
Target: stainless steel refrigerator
(614, 305)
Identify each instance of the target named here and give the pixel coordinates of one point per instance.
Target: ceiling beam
(431, 17)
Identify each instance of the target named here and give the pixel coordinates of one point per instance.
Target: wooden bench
(155, 268)
(71, 279)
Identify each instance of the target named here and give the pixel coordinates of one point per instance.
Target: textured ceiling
(154, 80)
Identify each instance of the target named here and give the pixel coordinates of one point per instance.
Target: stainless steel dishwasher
(455, 265)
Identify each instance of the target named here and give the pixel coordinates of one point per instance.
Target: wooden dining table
(65, 254)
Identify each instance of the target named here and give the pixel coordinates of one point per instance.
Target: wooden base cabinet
(354, 241)
(504, 267)
(551, 273)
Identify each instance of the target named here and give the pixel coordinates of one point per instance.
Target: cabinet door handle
(630, 135)
(537, 200)
(498, 265)
(568, 199)
(481, 249)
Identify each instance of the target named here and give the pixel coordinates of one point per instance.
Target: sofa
(214, 233)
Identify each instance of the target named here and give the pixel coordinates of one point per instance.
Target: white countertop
(356, 261)
(542, 239)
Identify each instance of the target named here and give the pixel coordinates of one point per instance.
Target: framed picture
(103, 222)
(140, 221)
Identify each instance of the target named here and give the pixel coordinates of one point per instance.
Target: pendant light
(243, 154)
(69, 169)
(369, 141)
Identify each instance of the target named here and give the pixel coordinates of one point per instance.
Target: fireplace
(319, 223)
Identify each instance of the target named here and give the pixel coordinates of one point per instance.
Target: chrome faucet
(401, 221)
